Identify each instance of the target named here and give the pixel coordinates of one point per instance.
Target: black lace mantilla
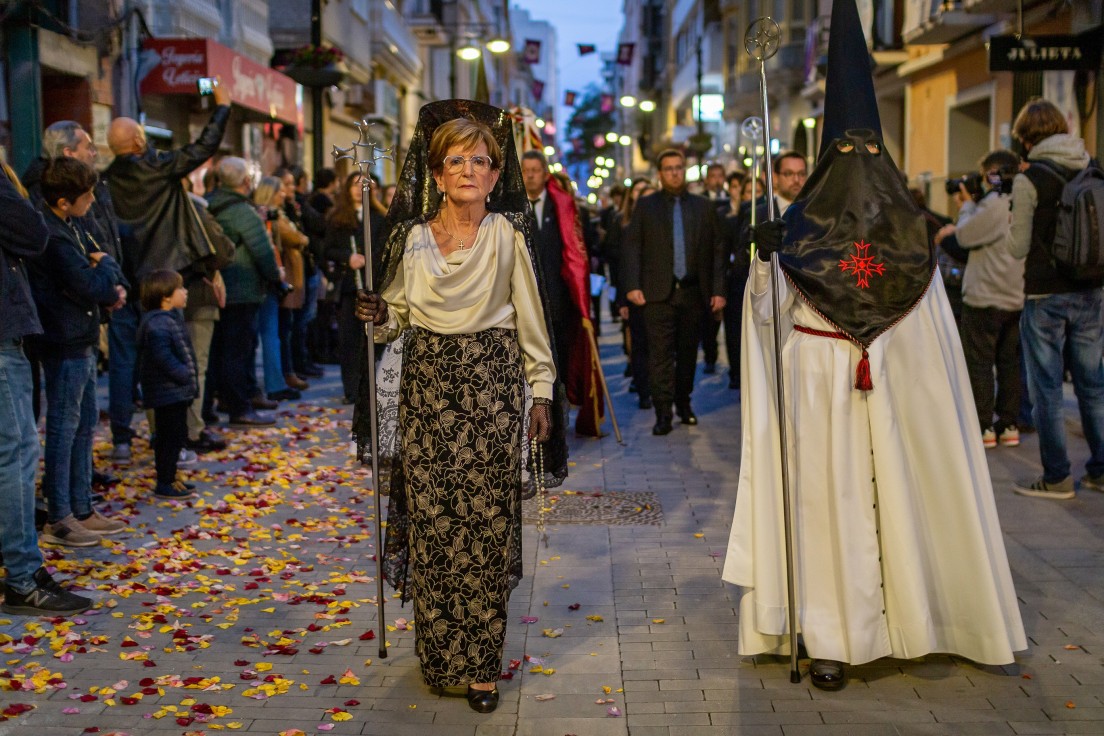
(417, 201)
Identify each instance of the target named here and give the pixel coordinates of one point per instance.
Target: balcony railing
(391, 35)
(945, 22)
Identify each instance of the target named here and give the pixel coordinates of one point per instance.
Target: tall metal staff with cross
(364, 153)
(761, 41)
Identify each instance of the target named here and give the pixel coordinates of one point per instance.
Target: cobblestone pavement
(252, 608)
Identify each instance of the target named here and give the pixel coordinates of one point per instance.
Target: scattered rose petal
(544, 697)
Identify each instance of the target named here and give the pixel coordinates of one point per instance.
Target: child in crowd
(167, 373)
(71, 282)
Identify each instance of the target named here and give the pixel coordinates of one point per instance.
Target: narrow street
(252, 608)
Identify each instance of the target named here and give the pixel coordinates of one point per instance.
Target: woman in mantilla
(459, 280)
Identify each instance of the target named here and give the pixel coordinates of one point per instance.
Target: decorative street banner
(1045, 53)
(586, 48)
(531, 54)
(625, 54)
(569, 98)
(606, 105)
(538, 89)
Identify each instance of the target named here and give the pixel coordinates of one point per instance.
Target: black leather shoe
(827, 674)
(645, 402)
(482, 701)
(260, 403)
(687, 416)
(285, 394)
(207, 442)
(733, 382)
(312, 371)
(710, 369)
(103, 479)
(252, 419)
(662, 426)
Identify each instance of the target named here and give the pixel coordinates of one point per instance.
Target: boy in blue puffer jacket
(167, 372)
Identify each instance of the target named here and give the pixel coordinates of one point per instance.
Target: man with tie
(550, 252)
(673, 266)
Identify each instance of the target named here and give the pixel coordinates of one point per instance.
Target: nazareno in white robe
(898, 545)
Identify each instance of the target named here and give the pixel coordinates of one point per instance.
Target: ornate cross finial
(762, 38)
(363, 153)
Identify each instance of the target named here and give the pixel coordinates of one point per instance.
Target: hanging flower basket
(317, 66)
(325, 77)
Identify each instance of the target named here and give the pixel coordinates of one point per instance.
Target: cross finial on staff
(364, 152)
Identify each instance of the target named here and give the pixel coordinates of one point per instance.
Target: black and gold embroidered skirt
(460, 412)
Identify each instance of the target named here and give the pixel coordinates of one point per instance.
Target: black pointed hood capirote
(857, 248)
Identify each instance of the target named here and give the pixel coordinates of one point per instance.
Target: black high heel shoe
(482, 701)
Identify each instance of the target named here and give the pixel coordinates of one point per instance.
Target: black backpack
(1078, 246)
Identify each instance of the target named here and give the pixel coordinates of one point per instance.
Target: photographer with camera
(253, 273)
(159, 229)
(992, 294)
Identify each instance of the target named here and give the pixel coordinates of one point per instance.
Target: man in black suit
(673, 266)
(550, 245)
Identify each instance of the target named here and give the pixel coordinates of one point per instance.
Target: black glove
(540, 420)
(768, 237)
(370, 307)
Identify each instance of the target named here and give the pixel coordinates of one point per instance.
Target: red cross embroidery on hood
(862, 265)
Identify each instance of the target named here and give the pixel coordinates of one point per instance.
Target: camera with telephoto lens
(972, 182)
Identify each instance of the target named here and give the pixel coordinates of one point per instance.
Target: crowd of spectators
(173, 289)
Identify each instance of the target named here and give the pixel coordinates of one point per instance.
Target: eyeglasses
(479, 164)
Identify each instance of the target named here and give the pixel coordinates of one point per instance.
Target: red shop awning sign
(175, 64)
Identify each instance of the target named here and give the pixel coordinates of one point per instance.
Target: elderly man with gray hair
(248, 279)
(66, 138)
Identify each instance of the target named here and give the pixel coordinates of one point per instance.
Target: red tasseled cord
(862, 373)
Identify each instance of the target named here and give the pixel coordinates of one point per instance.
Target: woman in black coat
(343, 249)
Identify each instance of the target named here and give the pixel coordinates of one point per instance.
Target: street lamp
(469, 51)
(647, 106)
(628, 101)
(549, 151)
(624, 140)
(498, 45)
(611, 137)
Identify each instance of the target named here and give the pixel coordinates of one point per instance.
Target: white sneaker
(989, 438)
(1010, 436)
(187, 457)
